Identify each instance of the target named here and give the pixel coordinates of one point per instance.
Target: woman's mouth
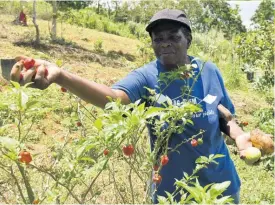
(167, 53)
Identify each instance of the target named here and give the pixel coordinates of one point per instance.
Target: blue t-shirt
(209, 82)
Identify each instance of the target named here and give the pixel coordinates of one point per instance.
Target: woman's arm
(232, 129)
(44, 73)
(90, 91)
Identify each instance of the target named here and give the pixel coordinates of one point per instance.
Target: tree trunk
(109, 10)
(37, 39)
(116, 8)
(53, 30)
(98, 6)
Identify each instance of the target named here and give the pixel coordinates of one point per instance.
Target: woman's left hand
(243, 142)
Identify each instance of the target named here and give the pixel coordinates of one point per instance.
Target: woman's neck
(170, 67)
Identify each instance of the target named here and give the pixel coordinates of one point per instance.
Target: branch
(92, 183)
(26, 182)
(112, 172)
(16, 181)
(18, 186)
(54, 178)
(131, 186)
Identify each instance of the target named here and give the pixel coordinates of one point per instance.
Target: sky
(247, 10)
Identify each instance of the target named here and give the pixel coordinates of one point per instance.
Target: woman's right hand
(42, 74)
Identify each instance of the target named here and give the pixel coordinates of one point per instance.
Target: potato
(262, 141)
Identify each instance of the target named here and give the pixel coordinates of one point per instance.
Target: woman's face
(170, 45)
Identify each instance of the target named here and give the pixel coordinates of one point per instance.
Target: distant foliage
(265, 13)
(89, 19)
(64, 5)
(219, 14)
(256, 47)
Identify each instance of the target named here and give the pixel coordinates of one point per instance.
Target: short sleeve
(133, 85)
(225, 100)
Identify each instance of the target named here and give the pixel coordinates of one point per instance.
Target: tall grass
(90, 19)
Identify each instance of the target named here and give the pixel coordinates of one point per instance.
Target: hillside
(78, 55)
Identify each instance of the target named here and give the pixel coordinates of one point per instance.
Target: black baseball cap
(174, 15)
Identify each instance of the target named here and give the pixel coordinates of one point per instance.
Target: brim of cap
(152, 24)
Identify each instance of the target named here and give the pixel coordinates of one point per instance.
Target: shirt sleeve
(225, 100)
(133, 85)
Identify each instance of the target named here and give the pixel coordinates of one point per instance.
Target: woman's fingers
(19, 58)
(40, 80)
(16, 71)
(39, 73)
(27, 75)
(37, 63)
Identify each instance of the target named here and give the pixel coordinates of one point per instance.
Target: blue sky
(247, 9)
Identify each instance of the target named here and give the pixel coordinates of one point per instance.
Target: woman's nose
(165, 44)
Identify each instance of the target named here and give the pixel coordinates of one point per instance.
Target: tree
(37, 38)
(54, 20)
(122, 12)
(265, 12)
(219, 14)
(64, 5)
(193, 10)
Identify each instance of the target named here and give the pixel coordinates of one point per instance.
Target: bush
(98, 46)
(265, 119)
(254, 48)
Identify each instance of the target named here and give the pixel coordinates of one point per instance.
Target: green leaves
(189, 185)
(264, 13)
(8, 143)
(210, 159)
(218, 188)
(98, 124)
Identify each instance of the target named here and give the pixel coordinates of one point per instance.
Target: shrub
(98, 46)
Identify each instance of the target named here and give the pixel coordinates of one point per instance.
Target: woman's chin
(169, 63)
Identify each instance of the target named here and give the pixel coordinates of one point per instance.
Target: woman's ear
(188, 44)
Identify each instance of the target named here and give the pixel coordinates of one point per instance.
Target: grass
(120, 55)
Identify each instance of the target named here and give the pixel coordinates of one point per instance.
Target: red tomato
(164, 159)
(36, 201)
(63, 89)
(156, 167)
(185, 75)
(79, 124)
(244, 123)
(29, 63)
(106, 152)
(194, 142)
(157, 178)
(25, 157)
(128, 150)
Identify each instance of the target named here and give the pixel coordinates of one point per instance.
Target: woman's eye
(157, 40)
(175, 38)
